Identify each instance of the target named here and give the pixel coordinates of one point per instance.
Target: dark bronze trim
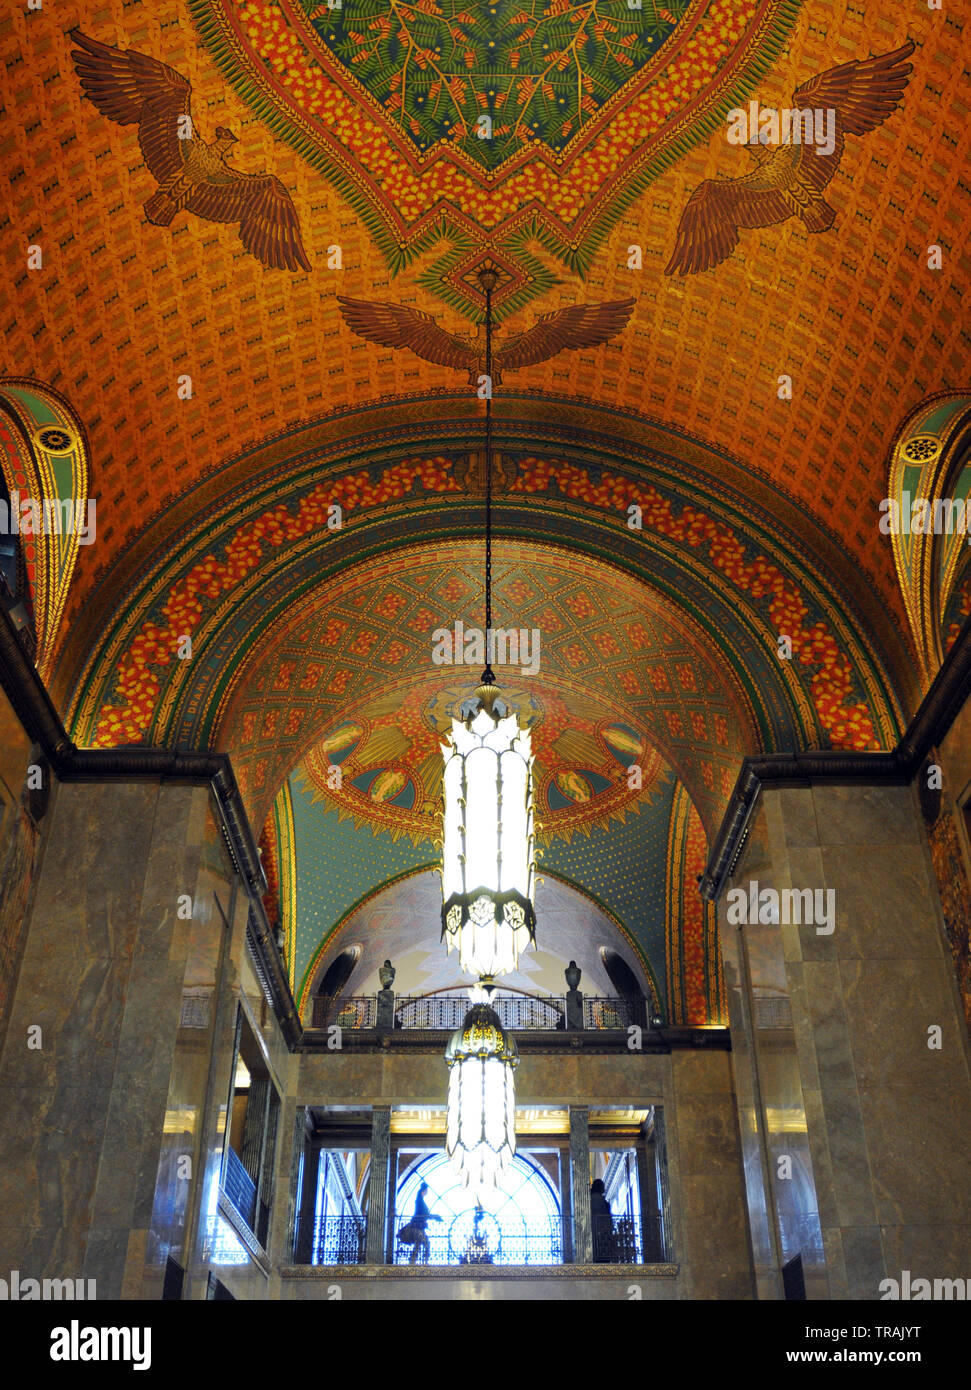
(940, 707)
(541, 1041)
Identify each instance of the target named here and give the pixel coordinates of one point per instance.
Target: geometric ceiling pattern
(237, 568)
(367, 660)
(250, 579)
(121, 309)
(276, 676)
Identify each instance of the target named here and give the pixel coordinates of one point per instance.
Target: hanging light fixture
(487, 873)
(481, 1125)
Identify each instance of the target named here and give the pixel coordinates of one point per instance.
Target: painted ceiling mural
(402, 922)
(845, 311)
(929, 467)
(362, 660)
(389, 752)
(220, 599)
(485, 127)
(345, 853)
(44, 464)
(329, 852)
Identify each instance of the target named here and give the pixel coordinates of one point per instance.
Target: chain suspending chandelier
(487, 884)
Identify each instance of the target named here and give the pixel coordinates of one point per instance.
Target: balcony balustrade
(445, 1012)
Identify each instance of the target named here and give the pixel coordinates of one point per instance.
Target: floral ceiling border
(132, 684)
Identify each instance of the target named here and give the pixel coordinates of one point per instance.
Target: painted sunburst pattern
(591, 765)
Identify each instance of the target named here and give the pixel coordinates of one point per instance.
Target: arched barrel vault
(239, 572)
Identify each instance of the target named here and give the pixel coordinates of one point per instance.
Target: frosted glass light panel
(480, 1137)
(487, 873)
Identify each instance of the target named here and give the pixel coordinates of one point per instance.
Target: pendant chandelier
(487, 880)
(487, 915)
(481, 1124)
(487, 873)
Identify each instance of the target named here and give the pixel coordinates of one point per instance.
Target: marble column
(105, 1065)
(566, 1206)
(580, 1184)
(861, 1091)
(378, 1186)
(652, 1242)
(306, 1234)
(697, 1138)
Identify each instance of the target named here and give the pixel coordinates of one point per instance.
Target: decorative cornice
(533, 1041)
(943, 702)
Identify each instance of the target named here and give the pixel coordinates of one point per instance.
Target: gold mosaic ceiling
(122, 308)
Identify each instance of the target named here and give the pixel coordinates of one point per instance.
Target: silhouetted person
(418, 1228)
(601, 1222)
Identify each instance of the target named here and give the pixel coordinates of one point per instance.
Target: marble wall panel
(770, 960)
(955, 754)
(89, 891)
(375, 1285)
(714, 1242)
(936, 1251)
(887, 1117)
(103, 1110)
(342, 1078)
(864, 815)
(761, 1228)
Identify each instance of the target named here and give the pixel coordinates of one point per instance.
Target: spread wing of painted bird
(395, 325)
(788, 181)
(133, 89)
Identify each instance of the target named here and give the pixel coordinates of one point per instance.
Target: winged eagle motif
(134, 89)
(788, 181)
(395, 325)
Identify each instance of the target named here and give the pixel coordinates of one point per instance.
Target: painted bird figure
(395, 325)
(788, 181)
(134, 89)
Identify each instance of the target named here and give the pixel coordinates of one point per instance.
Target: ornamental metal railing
(468, 1240)
(240, 1188)
(627, 1240)
(517, 1012)
(357, 1012)
(445, 1012)
(611, 1013)
(339, 1240)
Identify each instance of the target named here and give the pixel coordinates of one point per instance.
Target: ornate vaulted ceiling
(123, 308)
(217, 409)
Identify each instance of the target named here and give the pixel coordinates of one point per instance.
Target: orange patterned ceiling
(121, 308)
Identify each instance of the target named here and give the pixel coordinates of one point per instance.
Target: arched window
(332, 984)
(517, 1224)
